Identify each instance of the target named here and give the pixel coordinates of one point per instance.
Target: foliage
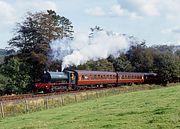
(18, 76)
(121, 63)
(141, 57)
(177, 53)
(1, 59)
(55, 65)
(167, 66)
(3, 82)
(100, 65)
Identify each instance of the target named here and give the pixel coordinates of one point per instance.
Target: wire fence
(12, 108)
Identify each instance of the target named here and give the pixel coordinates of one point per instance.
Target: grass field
(153, 109)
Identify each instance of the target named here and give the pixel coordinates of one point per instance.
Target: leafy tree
(167, 66)
(17, 74)
(177, 52)
(165, 48)
(121, 63)
(34, 35)
(141, 57)
(3, 82)
(100, 65)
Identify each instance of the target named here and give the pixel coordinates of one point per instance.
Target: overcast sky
(156, 21)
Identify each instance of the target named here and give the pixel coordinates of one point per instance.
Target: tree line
(32, 39)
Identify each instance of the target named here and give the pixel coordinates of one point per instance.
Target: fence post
(75, 98)
(2, 110)
(87, 97)
(97, 95)
(46, 103)
(62, 100)
(26, 106)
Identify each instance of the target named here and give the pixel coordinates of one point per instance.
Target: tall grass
(152, 109)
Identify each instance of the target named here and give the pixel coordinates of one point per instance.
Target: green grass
(153, 109)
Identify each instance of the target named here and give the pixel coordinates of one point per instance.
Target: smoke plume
(83, 48)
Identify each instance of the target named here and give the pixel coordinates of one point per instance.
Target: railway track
(29, 96)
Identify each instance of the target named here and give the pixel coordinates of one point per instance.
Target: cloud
(151, 7)
(96, 11)
(41, 5)
(34, 5)
(117, 10)
(174, 30)
(7, 13)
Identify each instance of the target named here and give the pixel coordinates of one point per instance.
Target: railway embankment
(16, 107)
(148, 109)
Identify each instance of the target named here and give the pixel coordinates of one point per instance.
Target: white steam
(83, 48)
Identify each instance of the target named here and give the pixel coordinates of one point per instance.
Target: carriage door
(72, 78)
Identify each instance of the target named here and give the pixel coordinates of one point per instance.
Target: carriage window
(99, 76)
(86, 77)
(132, 76)
(105, 76)
(135, 76)
(91, 77)
(95, 77)
(110, 76)
(138, 77)
(113, 77)
(125, 76)
(82, 77)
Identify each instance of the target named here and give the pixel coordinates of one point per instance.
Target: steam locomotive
(77, 79)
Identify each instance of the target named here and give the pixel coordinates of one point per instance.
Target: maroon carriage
(94, 78)
(129, 77)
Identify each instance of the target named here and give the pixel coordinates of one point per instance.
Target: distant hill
(177, 47)
(2, 52)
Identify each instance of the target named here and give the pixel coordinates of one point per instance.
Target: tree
(121, 63)
(141, 57)
(17, 74)
(165, 48)
(34, 35)
(177, 53)
(167, 66)
(3, 82)
(100, 65)
(94, 30)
